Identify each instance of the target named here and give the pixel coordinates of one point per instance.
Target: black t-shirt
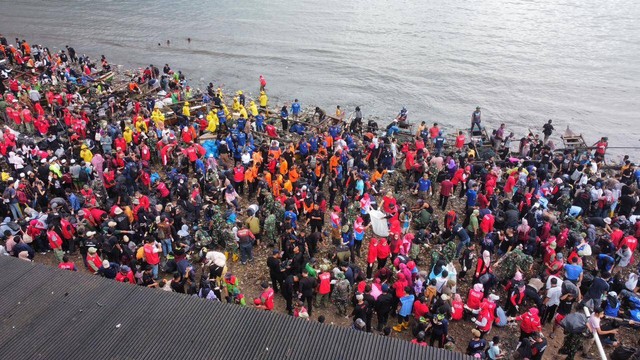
(307, 286)
(274, 265)
(565, 306)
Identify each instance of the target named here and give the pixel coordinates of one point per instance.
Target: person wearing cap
(108, 269)
(94, 262)
(266, 297)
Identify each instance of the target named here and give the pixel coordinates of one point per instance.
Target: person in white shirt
(551, 300)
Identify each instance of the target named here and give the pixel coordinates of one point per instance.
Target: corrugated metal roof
(54, 314)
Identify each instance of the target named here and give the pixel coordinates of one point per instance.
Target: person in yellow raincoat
(127, 134)
(264, 99)
(212, 121)
(186, 109)
(158, 118)
(226, 110)
(236, 104)
(85, 153)
(243, 112)
(253, 108)
(141, 125)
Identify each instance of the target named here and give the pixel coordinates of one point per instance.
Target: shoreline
(618, 149)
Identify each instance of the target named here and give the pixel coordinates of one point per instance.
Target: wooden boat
(573, 141)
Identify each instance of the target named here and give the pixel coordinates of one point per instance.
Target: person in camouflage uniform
(571, 345)
(270, 228)
(447, 253)
(507, 266)
(202, 237)
(220, 231)
(341, 293)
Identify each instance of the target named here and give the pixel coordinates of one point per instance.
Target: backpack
(574, 323)
(83, 176)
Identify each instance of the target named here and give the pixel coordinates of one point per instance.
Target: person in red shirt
(93, 260)
(457, 308)
(67, 265)
(55, 242)
(446, 190)
(324, 287)
(266, 298)
(530, 323)
(476, 294)
(152, 252)
(125, 275)
(372, 256)
(460, 140)
(383, 252)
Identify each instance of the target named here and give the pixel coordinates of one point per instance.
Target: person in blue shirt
(573, 272)
(313, 144)
(241, 123)
(393, 128)
(438, 142)
(295, 110)
(260, 122)
(291, 216)
(405, 309)
(222, 117)
(423, 187)
(359, 186)
(461, 233)
(472, 196)
(605, 262)
(297, 128)
(284, 117)
(303, 148)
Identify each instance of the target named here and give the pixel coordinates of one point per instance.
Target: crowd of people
(388, 226)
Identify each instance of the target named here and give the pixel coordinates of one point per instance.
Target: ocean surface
(523, 62)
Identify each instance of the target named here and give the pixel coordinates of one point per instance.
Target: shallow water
(524, 62)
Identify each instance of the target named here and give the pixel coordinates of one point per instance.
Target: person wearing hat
(108, 270)
(276, 270)
(94, 262)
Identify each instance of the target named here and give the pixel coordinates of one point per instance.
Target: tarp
(379, 223)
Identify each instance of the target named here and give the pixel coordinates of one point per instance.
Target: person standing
(245, 242)
(476, 119)
(547, 130)
(324, 286)
(308, 286)
(446, 190)
(275, 270)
